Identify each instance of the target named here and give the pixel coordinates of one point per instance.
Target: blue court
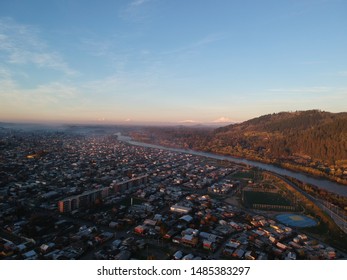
(296, 220)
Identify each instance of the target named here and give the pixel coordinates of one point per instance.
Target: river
(320, 183)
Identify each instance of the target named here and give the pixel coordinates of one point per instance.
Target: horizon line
(124, 123)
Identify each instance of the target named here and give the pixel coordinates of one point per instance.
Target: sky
(170, 61)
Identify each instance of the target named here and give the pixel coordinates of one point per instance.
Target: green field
(251, 198)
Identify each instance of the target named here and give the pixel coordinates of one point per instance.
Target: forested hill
(315, 134)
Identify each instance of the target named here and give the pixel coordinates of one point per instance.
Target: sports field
(296, 220)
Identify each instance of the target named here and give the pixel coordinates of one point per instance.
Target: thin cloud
(21, 44)
(6, 82)
(4, 74)
(46, 101)
(135, 11)
(208, 39)
(107, 49)
(97, 47)
(138, 2)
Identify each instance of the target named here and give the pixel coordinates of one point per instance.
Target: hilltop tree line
(318, 135)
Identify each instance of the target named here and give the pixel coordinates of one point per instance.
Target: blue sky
(171, 61)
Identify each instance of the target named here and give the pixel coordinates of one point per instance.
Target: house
(281, 246)
(170, 234)
(30, 255)
(238, 253)
(187, 218)
(188, 257)
(249, 255)
(233, 244)
(189, 240)
(140, 230)
(113, 224)
(178, 255)
(123, 255)
(46, 248)
(209, 245)
(180, 209)
(151, 223)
